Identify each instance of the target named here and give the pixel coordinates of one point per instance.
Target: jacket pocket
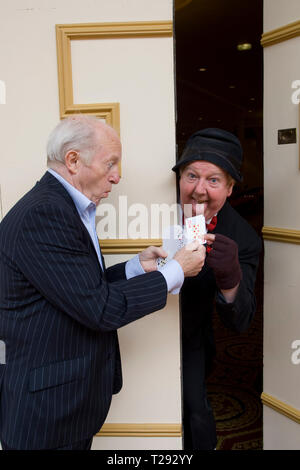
(58, 373)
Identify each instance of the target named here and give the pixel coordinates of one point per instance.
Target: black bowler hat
(215, 146)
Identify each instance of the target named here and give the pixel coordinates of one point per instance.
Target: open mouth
(198, 201)
(202, 203)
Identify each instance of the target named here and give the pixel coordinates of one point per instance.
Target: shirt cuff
(133, 267)
(220, 297)
(172, 272)
(174, 276)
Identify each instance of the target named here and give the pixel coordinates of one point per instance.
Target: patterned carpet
(235, 384)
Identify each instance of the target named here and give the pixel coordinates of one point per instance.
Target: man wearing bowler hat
(207, 170)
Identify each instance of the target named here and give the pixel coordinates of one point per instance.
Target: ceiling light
(202, 69)
(245, 46)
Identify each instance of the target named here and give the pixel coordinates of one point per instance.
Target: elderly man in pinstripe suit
(59, 306)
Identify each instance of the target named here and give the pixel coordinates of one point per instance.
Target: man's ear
(230, 188)
(72, 159)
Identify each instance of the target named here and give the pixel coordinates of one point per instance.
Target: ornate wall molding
(140, 430)
(281, 34)
(282, 235)
(65, 33)
(281, 407)
(124, 246)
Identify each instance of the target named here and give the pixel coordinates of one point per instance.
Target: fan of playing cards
(175, 236)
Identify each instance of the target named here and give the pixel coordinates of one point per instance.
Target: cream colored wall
(144, 87)
(280, 433)
(278, 13)
(282, 196)
(141, 80)
(281, 169)
(29, 70)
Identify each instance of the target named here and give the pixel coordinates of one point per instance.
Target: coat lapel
(55, 187)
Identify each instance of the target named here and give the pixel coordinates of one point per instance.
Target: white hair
(78, 133)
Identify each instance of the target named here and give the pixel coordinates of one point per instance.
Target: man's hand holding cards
(184, 244)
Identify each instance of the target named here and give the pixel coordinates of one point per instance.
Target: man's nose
(200, 187)
(115, 177)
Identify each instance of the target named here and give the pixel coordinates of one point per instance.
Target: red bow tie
(210, 227)
(212, 224)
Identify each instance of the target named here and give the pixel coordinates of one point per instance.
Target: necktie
(210, 227)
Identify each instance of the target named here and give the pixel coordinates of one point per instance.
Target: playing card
(194, 229)
(172, 242)
(175, 236)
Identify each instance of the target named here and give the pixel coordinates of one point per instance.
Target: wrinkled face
(96, 178)
(204, 183)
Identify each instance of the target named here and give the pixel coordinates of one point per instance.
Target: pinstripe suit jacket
(59, 313)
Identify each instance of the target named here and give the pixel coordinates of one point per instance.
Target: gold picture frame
(65, 33)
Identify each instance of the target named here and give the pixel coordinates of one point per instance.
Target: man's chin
(99, 199)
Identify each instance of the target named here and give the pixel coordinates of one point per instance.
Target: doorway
(219, 83)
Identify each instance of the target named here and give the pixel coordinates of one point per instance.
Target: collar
(83, 204)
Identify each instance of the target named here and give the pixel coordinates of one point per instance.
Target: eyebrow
(113, 158)
(218, 173)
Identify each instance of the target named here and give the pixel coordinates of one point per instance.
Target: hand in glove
(224, 261)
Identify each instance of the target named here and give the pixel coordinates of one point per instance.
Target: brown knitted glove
(224, 261)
